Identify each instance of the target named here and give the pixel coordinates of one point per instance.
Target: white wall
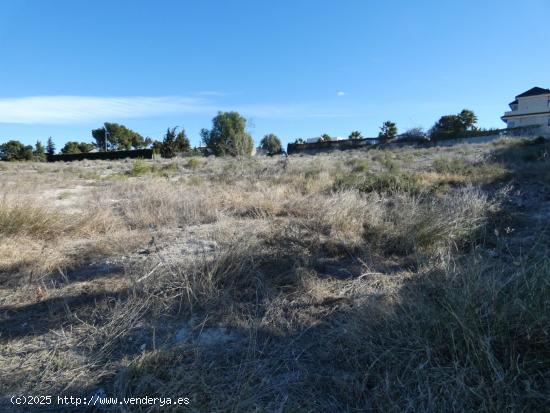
(541, 120)
(532, 104)
(481, 139)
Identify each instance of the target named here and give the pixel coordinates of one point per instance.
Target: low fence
(108, 155)
(475, 139)
(468, 137)
(327, 146)
(489, 136)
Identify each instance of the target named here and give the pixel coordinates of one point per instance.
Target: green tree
(77, 147)
(182, 143)
(138, 142)
(299, 141)
(100, 137)
(39, 152)
(451, 126)
(446, 127)
(228, 135)
(156, 147)
(116, 137)
(15, 151)
(413, 134)
(355, 135)
(50, 147)
(271, 143)
(168, 147)
(468, 119)
(388, 131)
(325, 138)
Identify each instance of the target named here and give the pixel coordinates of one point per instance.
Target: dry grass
(403, 280)
(18, 217)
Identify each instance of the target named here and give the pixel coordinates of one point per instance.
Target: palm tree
(388, 131)
(355, 135)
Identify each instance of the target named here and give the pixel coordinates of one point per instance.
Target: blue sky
(295, 68)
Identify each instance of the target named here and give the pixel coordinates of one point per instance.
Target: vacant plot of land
(388, 280)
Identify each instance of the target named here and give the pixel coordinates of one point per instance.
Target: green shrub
(457, 166)
(313, 172)
(359, 165)
(390, 165)
(195, 180)
(194, 163)
(165, 170)
(452, 166)
(140, 167)
(117, 177)
(383, 182)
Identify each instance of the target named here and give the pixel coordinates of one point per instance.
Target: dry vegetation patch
(358, 281)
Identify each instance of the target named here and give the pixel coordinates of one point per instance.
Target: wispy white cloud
(76, 109)
(80, 109)
(340, 93)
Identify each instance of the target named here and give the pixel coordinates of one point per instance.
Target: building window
(511, 124)
(549, 102)
(548, 121)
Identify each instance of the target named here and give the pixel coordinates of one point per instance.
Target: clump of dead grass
(28, 217)
(157, 203)
(425, 225)
(23, 217)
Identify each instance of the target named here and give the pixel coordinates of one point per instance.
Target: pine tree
(168, 148)
(182, 143)
(50, 147)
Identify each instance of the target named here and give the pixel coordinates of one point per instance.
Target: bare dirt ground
(412, 279)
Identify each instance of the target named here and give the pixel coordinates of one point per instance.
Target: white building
(531, 108)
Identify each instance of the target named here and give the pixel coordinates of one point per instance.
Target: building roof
(534, 92)
(515, 102)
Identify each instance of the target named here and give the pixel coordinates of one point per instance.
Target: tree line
(447, 127)
(227, 136)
